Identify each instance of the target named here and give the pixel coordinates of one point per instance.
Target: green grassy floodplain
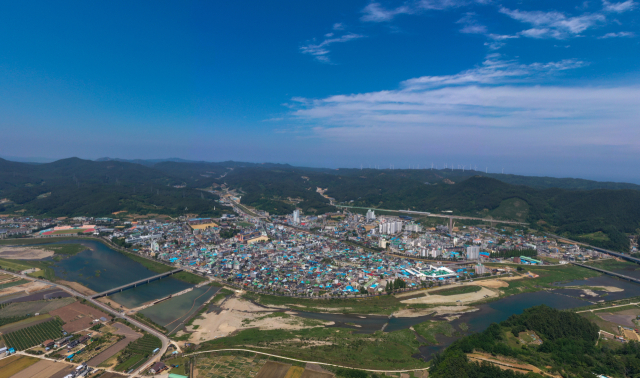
(456, 290)
(333, 345)
(548, 276)
(385, 304)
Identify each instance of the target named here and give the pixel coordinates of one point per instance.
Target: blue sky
(534, 87)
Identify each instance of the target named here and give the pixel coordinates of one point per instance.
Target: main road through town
(165, 340)
(424, 213)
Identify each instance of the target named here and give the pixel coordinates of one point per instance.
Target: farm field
(121, 329)
(41, 369)
(228, 366)
(34, 335)
(78, 316)
(137, 351)
(16, 323)
(42, 306)
(225, 365)
(272, 369)
(14, 364)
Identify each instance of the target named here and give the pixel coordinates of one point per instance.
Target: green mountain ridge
(73, 186)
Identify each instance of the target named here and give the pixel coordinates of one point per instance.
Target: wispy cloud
(492, 71)
(618, 35)
(618, 7)
(320, 51)
(502, 99)
(553, 24)
(470, 25)
(374, 12)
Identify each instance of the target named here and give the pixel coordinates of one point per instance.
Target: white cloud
(617, 35)
(320, 51)
(470, 25)
(618, 7)
(499, 98)
(492, 71)
(338, 26)
(553, 24)
(374, 12)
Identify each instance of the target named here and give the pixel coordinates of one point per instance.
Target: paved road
(436, 215)
(165, 340)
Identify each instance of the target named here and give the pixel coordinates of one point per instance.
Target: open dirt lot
(505, 363)
(623, 318)
(231, 317)
(493, 284)
(24, 253)
(113, 304)
(78, 316)
(460, 298)
(64, 372)
(30, 287)
(78, 287)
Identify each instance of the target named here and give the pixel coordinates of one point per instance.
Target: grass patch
(339, 346)
(430, 329)
(457, 290)
(548, 276)
(14, 283)
(386, 304)
(20, 265)
(612, 264)
(597, 236)
(182, 365)
(66, 249)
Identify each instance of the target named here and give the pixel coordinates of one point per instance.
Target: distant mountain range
(602, 213)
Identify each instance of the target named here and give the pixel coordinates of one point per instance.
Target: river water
(172, 313)
(101, 268)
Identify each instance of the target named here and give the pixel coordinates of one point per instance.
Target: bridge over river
(136, 283)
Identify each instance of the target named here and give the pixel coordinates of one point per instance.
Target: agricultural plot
(137, 351)
(34, 335)
(213, 366)
(23, 323)
(78, 316)
(14, 364)
(41, 369)
(44, 306)
(12, 319)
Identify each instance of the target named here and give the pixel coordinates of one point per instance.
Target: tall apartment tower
(296, 216)
(371, 216)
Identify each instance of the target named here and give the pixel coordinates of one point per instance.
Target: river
(101, 268)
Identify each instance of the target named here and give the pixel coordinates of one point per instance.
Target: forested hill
(602, 217)
(75, 187)
(568, 348)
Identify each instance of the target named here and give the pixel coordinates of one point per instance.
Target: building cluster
(331, 254)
